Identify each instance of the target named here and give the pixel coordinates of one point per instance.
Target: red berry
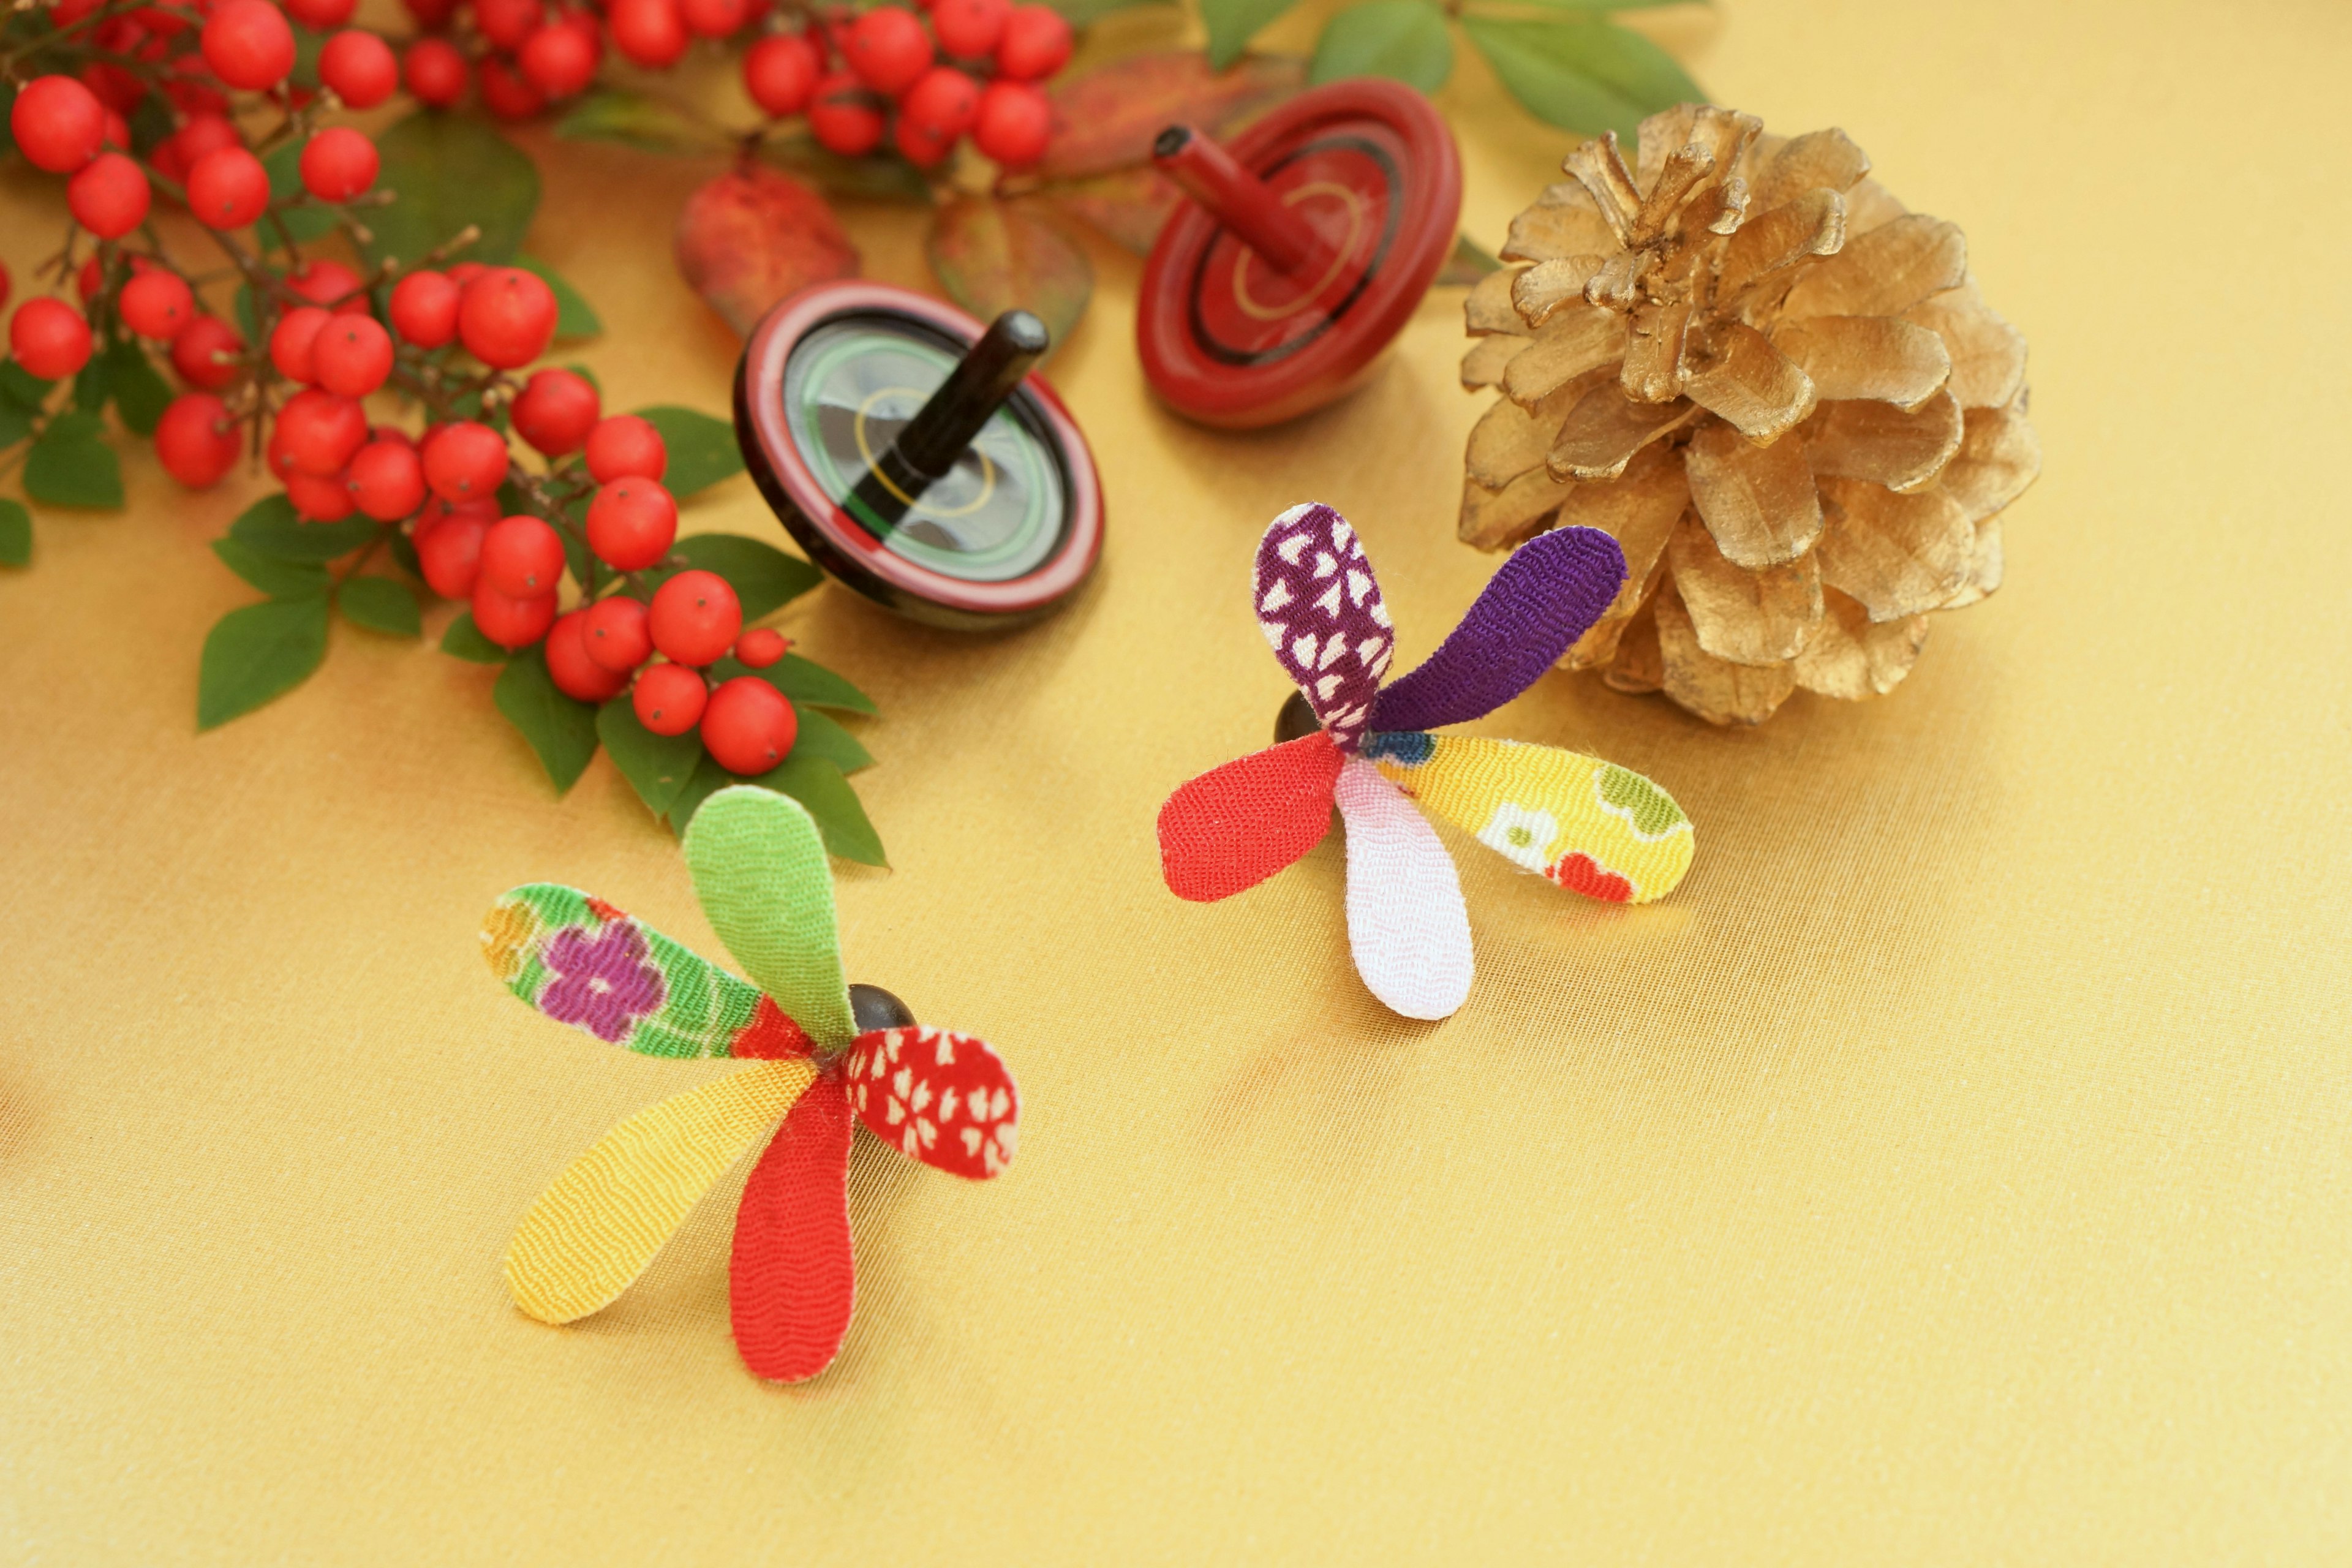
(844, 117)
(352, 356)
(889, 49)
(779, 71)
(292, 340)
(435, 72)
(695, 617)
(203, 133)
(321, 431)
(943, 102)
(649, 32)
(505, 93)
(615, 633)
(575, 673)
(338, 164)
(512, 623)
(116, 87)
(714, 18)
(1035, 45)
(669, 699)
(560, 60)
(464, 461)
(196, 441)
(227, 188)
(157, 304)
(1015, 121)
(318, 499)
(625, 447)
(449, 547)
(205, 352)
(555, 412)
(430, 15)
(522, 557)
(109, 196)
(506, 23)
(328, 283)
(920, 145)
(321, 14)
(359, 67)
(465, 273)
(58, 123)
(969, 29)
(248, 44)
(749, 726)
(631, 524)
(387, 480)
(48, 338)
(507, 317)
(424, 309)
(759, 648)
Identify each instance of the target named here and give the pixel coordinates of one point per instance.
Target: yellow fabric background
(1953, 1169)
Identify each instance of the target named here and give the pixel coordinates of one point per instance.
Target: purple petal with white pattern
(1321, 611)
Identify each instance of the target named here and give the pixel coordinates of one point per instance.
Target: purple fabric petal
(1543, 598)
(1320, 607)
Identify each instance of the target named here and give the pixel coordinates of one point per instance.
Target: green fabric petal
(760, 870)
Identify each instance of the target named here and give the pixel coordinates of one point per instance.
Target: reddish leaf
(1126, 206)
(751, 237)
(992, 255)
(1107, 118)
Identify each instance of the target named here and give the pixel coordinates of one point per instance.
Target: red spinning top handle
(1240, 201)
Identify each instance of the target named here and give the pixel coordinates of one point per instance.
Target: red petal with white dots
(942, 1098)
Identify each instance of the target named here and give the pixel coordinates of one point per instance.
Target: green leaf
(636, 120)
(879, 178)
(817, 785)
(279, 579)
(307, 221)
(574, 317)
(1234, 23)
(1085, 12)
(584, 373)
(762, 576)
(248, 325)
(16, 533)
(380, 604)
(1469, 262)
(449, 171)
(702, 450)
(1402, 39)
(804, 681)
(91, 384)
(21, 387)
(1583, 73)
(256, 653)
(404, 551)
(707, 780)
(465, 640)
(657, 766)
(272, 527)
(15, 424)
(70, 466)
(140, 395)
(150, 122)
(992, 255)
(562, 730)
(822, 735)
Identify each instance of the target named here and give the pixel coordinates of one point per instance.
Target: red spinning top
(1307, 245)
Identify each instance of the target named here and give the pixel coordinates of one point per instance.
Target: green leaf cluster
(702, 450)
(447, 171)
(259, 652)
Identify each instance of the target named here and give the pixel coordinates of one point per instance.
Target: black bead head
(871, 1007)
(1297, 720)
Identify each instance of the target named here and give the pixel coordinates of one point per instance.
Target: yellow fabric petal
(1588, 825)
(594, 1231)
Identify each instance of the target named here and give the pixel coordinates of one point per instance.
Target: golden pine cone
(1801, 425)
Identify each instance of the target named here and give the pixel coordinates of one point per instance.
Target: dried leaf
(1898, 555)
(1577, 343)
(1716, 689)
(1984, 569)
(1489, 308)
(1884, 445)
(1811, 225)
(1883, 272)
(1816, 160)
(1747, 617)
(1543, 289)
(1105, 119)
(1606, 429)
(1654, 336)
(1759, 503)
(994, 256)
(1562, 223)
(1741, 376)
(1127, 206)
(751, 237)
(1998, 457)
(1488, 359)
(1852, 656)
(1987, 355)
(1639, 666)
(1501, 519)
(1881, 357)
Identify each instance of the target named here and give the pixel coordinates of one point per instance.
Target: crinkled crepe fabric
(1406, 923)
(1322, 613)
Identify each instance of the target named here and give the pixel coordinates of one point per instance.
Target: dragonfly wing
(942, 1098)
(791, 1281)
(1588, 825)
(598, 1228)
(760, 870)
(1405, 919)
(1540, 601)
(1236, 826)
(1319, 605)
(582, 962)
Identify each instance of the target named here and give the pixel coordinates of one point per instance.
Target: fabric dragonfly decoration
(823, 1055)
(1586, 824)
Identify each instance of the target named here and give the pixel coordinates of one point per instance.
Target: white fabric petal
(1405, 918)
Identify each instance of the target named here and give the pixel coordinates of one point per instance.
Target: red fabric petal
(791, 1280)
(770, 1036)
(1236, 826)
(942, 1098)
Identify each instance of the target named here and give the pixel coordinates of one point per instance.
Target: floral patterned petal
(1322, 611)
(582, 962)
(942, 1098)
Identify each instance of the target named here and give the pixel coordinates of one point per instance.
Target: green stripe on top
(583, 962)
